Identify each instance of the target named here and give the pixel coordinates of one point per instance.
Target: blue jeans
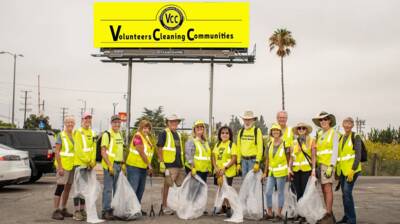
(347, 196)
(247, 165)
(280, 182)
(110, 185)
(137, 178)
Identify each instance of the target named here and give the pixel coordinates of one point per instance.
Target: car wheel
(36, 177)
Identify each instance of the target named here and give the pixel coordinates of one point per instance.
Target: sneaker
(57, 215)
(228, 212)
(343, 220)
(78, 216)
(205, 213)
(107, 215)
(144, 213)
(277, 218)
(168, 211)
(65, 213)
(84, 214)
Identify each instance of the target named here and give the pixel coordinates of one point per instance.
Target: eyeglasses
(301, 128)
(324, 119)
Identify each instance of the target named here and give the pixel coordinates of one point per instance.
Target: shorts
(67, 178)
(176, 175)
(324, 179)
(229, 180)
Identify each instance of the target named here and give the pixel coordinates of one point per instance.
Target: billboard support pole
(210, 112)
(128, 102)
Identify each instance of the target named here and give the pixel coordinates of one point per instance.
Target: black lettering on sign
(115, 34)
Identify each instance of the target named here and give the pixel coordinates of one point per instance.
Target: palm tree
(282, 40)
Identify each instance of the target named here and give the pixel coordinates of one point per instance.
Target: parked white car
(14, 166)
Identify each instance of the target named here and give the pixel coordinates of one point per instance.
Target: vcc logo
(171, 17)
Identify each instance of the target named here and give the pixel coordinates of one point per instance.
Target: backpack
(98, 146)
(364, 153)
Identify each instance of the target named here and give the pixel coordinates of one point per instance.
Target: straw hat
(199, 123)
(301, 124)
(173, 117)
(322, 115)
(248, 115)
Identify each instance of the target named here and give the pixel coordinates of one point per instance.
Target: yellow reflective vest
(325, 146)
(202, 156)
(85, 147)
(134, 158)
(223, 154)
(66, 153)
(169, 149)
(246, 144)
(114, 147)
(300, 163)
(288, 137)
(346, 156)
(277, 164)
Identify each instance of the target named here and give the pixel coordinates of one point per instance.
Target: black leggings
(300, 180)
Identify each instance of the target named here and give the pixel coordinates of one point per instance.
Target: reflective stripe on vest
(85, 147)
(169, 142)
(346, 157)
(201, 151)
(66, 145)
(279, 168)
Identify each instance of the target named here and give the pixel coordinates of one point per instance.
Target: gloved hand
(329, 171)
(162, 167)
(111, 170)
(194, 172)
(123, 168)
(220, 180)
(256, 167)
(350, 176)
(238, 168)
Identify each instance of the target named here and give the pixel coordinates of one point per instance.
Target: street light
(15, 69)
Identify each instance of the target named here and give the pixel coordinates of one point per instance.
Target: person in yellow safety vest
(64, 162)
(250, 144)
(224, 156)
(276, 170)
(85, 158)
(327, 142)
(171, 158)
(198, 152)
(349, 168)
(288, 136)
(302, 160)
(139, 159)
(112, 152)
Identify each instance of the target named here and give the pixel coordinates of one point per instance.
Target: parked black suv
(37, 143)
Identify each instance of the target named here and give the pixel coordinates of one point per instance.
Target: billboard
(171, 25)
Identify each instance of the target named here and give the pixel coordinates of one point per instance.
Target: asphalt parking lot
(377, 201)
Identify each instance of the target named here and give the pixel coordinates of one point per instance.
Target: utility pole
(114, 105)
(63, 113)
(91, 111)
(38, 94)
(360, 125)
(25, 98)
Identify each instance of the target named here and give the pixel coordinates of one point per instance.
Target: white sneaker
(168, 211)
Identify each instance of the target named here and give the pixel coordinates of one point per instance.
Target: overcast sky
(346, 62)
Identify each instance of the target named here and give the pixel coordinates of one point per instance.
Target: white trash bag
(311, 205)
(86, 186)
(290, 205)
(125, 204)
(229, 193)
(173, 197)
(192, 197)
(250, 195)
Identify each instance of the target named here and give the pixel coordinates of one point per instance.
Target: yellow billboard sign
(171, 25)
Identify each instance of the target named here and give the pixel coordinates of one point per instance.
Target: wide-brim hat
(322, 115)
(248, 115)
(173, 117)
(275, 127)
(301, 124)
(199, 123)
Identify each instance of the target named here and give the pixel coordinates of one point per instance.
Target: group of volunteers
(290, 154)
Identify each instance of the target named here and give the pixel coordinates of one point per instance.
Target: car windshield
(32, 140)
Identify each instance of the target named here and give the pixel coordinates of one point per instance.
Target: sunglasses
(301, 128)
(324, 119)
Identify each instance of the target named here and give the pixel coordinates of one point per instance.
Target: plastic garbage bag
(250, 195)
(125, 204)
(192, 198)
(86, 186)
(173, 197)
(311, 205)
(229, 193)
(290, 205)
